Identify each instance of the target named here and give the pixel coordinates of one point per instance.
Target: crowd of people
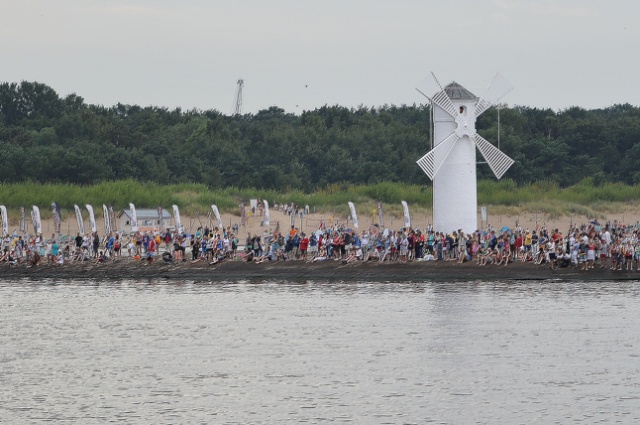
(613, 246)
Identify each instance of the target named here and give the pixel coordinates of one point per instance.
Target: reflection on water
(316, 352)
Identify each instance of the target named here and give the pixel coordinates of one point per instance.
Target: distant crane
(237, 104)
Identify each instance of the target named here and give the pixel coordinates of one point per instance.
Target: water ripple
(312, 351)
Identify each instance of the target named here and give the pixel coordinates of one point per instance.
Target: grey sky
(304, 54)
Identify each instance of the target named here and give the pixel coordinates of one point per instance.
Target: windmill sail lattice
(497, 89)
(497, 160)
(433, 160)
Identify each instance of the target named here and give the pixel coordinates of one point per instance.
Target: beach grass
(505, 197)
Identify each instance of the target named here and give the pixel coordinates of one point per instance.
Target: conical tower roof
(456, 91)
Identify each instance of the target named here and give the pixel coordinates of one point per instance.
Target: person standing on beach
(462, 246)
(528, 240)
(145, 242)
(78, 240)
(55, 250)
(117, 246)
(304, 246)
(19, 249)
(96, 244)
(111, 241)
(573, 249)
(158, 239)
(167, 240)
(137, 242)
(195, 249)
(404, 248)
(48, 249)
(151, 249)
(131, 246)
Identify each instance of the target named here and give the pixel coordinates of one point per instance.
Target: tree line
(51, 139)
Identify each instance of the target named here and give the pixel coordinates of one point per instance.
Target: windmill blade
(497, 160)
(497, 89)
(431, 88)
(433, 160)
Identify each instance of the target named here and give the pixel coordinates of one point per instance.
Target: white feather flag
(354, 216)
(214, 208)
(176, 216)
(79, 219)
(5, 220)
(134, 218)
(407, 217)
(266, 220)
(107, 219)
(37, 223)
(92, 218)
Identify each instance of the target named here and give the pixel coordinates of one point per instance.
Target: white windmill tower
(451, 164)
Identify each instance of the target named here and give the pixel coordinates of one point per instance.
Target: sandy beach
(422, 218)
(419, 218)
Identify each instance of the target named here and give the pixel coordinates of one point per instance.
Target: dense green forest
(49, 139)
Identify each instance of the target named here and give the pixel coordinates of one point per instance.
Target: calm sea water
(318, 352)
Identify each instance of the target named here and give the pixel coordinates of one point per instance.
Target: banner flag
(92, 218)
(79, 219)
(134, 218)
(57, 217)
(112, 218)
(407, 217)
(37, 224)
(266, 220)
(176, 216)
(5, 220)
(214, 208)
(23, 223)
(354, 216)
(380, 214)
(107, 219)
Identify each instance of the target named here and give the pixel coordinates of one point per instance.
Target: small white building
(148, 220)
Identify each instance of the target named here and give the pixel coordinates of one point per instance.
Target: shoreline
(298, 271)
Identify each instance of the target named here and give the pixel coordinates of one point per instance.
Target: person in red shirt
(151, 249)
(518, 249)
(304, 245)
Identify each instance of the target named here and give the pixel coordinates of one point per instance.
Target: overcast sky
(301, 55)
